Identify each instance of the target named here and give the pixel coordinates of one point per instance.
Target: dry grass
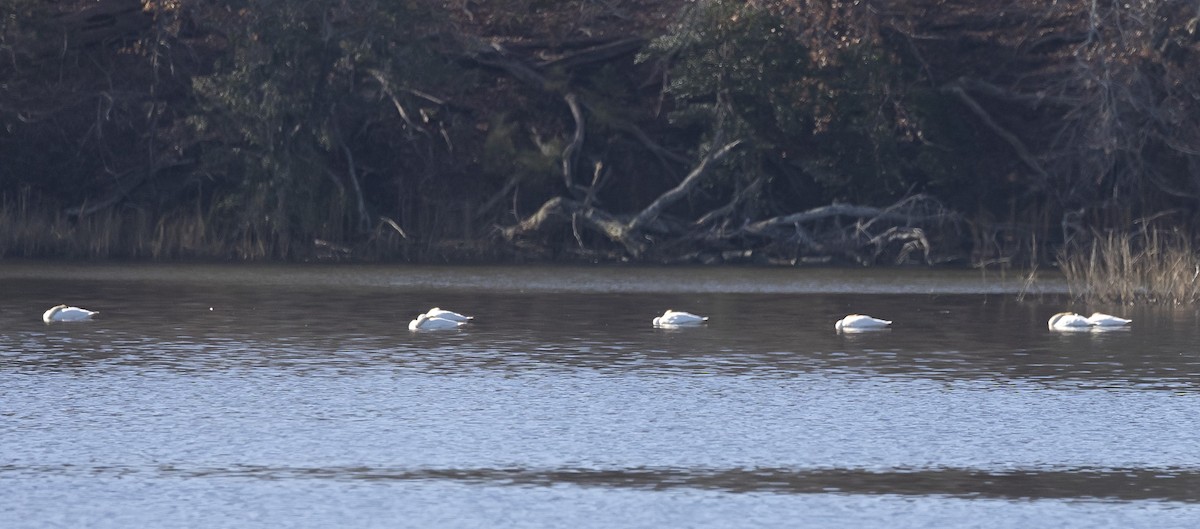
(1150, 266)
(33, 230)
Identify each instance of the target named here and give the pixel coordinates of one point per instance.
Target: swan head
(1054, 319)
(416, 324)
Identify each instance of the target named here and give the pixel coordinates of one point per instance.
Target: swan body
(675, 318)
(425, 323)
(447, 315)
(1099, 319)
(1068, 321)
(60, 313)
(860, 322)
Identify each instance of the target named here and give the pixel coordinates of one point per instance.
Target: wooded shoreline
(674, 131)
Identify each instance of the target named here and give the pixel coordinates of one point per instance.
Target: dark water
(296, 397)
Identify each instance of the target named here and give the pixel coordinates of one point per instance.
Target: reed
(34, 229)
(1148, 266)
(30, 229)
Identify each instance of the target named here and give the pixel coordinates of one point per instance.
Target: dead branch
(598, 181)
(913, 238)
(729, 208)
(571, 152)
(562, 209)
(388, 221)
(664, 155)
(651, 212)
(919, 206)
(595, 54)
(834, 210)
(1012, 139)
(387, 90)
(497, 56)
(492, 202)
(628, 234)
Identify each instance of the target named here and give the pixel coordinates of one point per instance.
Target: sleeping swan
(426, 323)
(1099, 319)
(447, 315)
(860, 322)
(1068, 321)
(59, 313)
(675, 318)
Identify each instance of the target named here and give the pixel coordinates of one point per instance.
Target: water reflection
(1129, 484)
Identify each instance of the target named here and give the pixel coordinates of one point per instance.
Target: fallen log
(896, 233)
(629, 234)
(824, 212)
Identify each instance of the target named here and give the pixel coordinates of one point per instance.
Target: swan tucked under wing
(426, 323)
(675, 318)
(59, 313)
(1068, 321)
(860, 322)
(447, 315)
(1100, 319)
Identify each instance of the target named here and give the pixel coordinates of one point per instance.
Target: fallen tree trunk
(563, 210)
(863, 235)
(630, 234)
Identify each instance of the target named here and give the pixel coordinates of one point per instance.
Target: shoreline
(578, 278)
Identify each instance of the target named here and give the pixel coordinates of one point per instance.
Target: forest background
(1009, 132)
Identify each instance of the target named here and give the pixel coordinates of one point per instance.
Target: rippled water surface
(220, 396)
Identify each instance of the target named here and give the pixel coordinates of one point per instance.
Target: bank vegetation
(864, 132)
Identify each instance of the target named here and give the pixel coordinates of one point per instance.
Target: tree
(314, 110)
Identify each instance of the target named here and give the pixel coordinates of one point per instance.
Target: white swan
(676, 318)
(59, 313)
(1100, 319)
(1068, 321)
(426, 323)
(447, 315)
(860, 322)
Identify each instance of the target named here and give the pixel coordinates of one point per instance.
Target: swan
(1068, 321)
(447, 315)
(426, 323)
(1100, 319)
(675, 318)
(59, 313)
(860, 322)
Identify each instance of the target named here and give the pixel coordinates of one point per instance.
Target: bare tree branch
(651, 212)
(571, 152)
(1010, 138)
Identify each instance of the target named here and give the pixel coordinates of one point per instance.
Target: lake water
(295, 396)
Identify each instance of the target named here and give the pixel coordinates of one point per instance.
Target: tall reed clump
(1149, 266)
